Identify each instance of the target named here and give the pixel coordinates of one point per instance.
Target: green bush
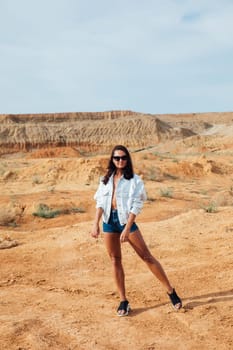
(152, 174)
(44, 211)
(211, 208)
(166, 192)
(77, 210)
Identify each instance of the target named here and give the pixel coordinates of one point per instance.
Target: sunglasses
(117, 158)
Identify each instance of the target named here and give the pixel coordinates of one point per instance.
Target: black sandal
(124, 306)
(175, 300)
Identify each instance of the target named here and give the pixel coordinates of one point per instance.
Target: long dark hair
(128, 172)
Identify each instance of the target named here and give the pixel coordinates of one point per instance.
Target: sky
(158, 57)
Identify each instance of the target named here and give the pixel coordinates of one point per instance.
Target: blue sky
(167, 56)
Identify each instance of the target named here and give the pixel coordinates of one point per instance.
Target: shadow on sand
(210, 298)
(192, 302)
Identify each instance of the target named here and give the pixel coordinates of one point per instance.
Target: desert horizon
(56, 283)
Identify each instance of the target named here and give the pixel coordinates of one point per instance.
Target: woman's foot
(175, 300)
(124, 308)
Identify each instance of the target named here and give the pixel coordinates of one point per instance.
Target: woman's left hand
(124, 237)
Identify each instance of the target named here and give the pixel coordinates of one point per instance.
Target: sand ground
(56, 285)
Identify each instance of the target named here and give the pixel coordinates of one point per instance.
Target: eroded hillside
(96, 132)
(87, 132)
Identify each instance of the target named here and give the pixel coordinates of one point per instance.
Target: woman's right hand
(95, 231)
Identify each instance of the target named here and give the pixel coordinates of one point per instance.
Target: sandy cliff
(86, 131)
(90, 132)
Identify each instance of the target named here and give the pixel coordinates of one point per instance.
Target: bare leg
(137, 242)
(113, 245)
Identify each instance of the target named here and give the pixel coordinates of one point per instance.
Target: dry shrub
(10, 213)
(7, 242)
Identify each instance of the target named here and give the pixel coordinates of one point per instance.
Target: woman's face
(120, 159)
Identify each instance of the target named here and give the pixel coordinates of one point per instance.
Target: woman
(119, 199)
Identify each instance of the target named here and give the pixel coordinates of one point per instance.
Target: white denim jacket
(130, 195)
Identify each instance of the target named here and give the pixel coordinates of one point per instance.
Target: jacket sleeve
(138, 197)
(98, 196)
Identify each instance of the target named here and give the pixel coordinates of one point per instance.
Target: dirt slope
(56, 285)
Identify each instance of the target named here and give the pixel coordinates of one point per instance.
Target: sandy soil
(56, 285)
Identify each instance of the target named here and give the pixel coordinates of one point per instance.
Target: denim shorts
(114, 225)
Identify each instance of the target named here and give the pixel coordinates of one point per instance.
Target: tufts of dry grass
(10, 213)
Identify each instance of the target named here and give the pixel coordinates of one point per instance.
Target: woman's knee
(116, 260)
